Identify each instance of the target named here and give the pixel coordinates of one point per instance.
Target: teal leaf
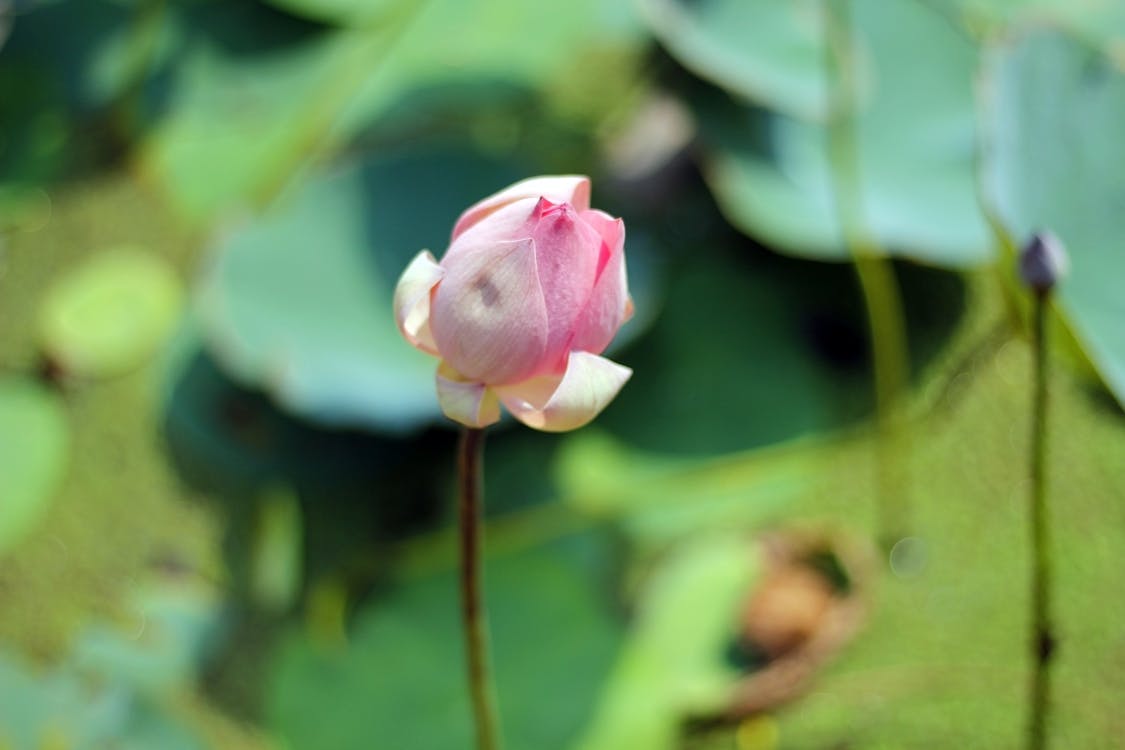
(169, 630)
(770, 52)
(298, 302)
(916, 143)
(1098, 22)
(1056, 161)
(62, 709)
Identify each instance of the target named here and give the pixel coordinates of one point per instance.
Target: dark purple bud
(1043, 262)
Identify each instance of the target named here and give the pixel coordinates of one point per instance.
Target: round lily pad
(111, 314)
(298, 302)
(915, 137)
(770, 51)
(34, 445)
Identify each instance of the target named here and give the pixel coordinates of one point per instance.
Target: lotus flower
(530, 292)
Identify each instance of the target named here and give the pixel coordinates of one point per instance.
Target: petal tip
(412, 301)
(572, 400)
(465, 402)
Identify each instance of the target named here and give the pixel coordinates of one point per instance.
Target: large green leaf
(915, 138)
(299, 302)
(1056, 160)
(34, 447)
(400, 682)
(770, 51)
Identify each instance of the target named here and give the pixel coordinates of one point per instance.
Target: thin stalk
(882, 298)
(1042, 639)
(473, 615)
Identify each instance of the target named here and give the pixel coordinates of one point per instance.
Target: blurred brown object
(787, 610)
(800, 617)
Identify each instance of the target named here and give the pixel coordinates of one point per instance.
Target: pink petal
(488, 316)
(412, 301)
(567, 255)
(471, 404)
(572, 189)
(609, 305)
(566, 402)
(515, 221)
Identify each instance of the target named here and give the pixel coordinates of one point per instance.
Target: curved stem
(473, 617)
(1042, 639)
(877, 281)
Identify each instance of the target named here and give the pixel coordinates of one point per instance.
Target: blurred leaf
(163, 645)
(659, 500)
(110, 314)
(299, 302)
(250, 92)
(34, 449)
(735, 359)
(402, 678)
(23, 208)
(38, 710)
(277, 554)
(34, 136)
(150, 727)
(770, 52)
(535, 45)
(59, 709)
(348, 12)
(255, 95)
(1101, 22)
(231, 441)
(916, 141)
(673, 663)
(1056, 160)
(66, 64)
(234, 444)
(83, 46)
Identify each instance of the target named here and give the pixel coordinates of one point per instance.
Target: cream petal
(567, 402)
(572, 189)
(471, 404)
(412, 301)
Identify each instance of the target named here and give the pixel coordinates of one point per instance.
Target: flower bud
(531, 290)
(1043, 262)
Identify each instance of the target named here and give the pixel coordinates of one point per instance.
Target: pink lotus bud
(530, 292)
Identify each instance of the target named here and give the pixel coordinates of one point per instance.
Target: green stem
(1042, 639)
(473, 616)
(882, 298)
